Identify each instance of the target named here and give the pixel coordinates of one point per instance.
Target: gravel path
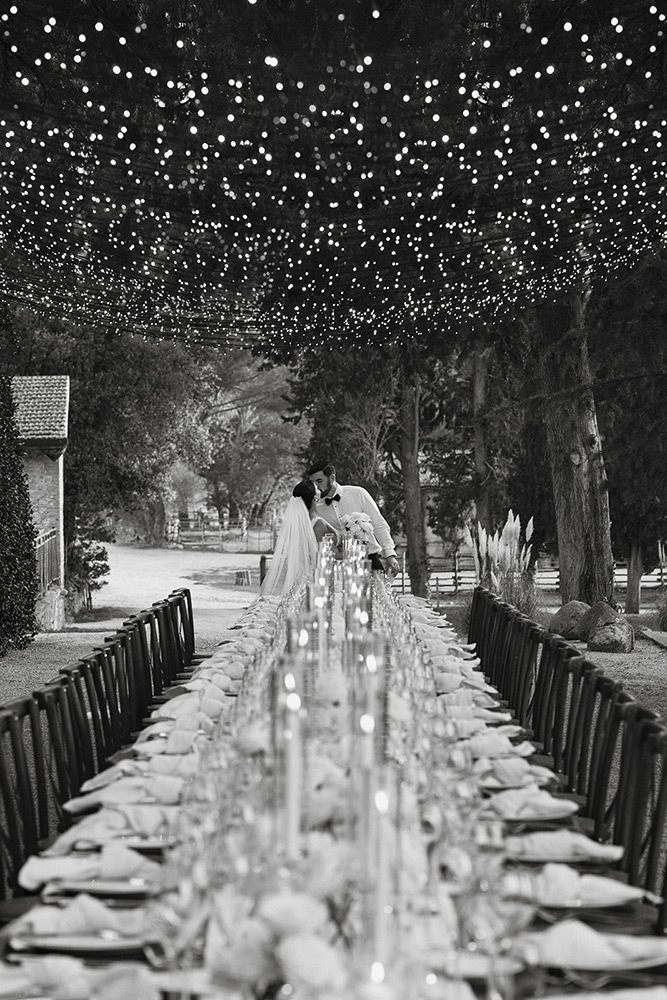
(138, 578)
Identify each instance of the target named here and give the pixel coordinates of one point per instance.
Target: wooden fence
(454, 575)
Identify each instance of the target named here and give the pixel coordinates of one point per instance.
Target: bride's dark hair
(306, 490)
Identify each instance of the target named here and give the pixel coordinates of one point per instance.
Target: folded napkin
(113, 822)
(164, 788)
(462, 696)
(465, 728)
(446, 664)
(481, 699)
(177, 742)
(114, 861)
(474, 712)
(511, 731)
(209, 683)
(475, 679)
(556, 844)
(57, 976)
(573, 944)
(184, 766)
(233, 666)
(60, 977)
(498, 745)
(528, 803)
(192, 721)
(83, 915)
(447, 683)
(184, 703)
(510, 772)
(558, 885)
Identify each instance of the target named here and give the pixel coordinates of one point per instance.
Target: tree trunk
(575, 452)
(481, 356)
(633, 595)
(408, 449)
(155, 521)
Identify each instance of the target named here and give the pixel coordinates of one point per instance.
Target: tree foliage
(628, 319)
(131, 413)
(254, 450)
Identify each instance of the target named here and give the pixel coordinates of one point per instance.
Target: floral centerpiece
(359, 526)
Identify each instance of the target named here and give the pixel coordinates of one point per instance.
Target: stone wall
(44, 482)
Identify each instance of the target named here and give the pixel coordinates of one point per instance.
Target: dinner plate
(492, 784)
(591, 903)
(540, 858)
(108, 887)
(145, 844)
(78, 944)
(623, 965)
(562, 813)
(474, 965)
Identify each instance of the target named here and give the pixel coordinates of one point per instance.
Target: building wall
(44, 482)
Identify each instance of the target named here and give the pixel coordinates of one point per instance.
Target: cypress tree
(18, 567)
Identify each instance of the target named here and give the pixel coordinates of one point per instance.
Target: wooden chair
(40, 760)
(19, 829)
(548, 713)
(480, 626)
(67, 771)
(613, 778)
(85, 677)
(584, 762)
(516, 678)
(642, 815)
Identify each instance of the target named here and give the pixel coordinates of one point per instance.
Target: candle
(293, 773)
(383, 875)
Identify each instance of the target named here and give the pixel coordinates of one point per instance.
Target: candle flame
(377, 972)
(367, 723)
(381, 801)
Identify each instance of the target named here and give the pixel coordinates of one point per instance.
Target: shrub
(503, 564)
(661, 608)
(18, 564)
(87, 563)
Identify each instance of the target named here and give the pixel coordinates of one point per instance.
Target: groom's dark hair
(326, 467)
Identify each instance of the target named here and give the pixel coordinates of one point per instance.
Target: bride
(300, 533)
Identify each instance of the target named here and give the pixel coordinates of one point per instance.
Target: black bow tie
(330, 500)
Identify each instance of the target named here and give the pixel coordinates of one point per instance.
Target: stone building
(42, 409)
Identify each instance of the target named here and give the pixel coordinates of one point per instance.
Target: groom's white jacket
(353, 499)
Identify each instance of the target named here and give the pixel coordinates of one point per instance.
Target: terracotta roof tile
(42, 406)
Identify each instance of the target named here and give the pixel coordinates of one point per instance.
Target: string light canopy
(267, 172)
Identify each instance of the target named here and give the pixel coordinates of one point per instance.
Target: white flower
(329, 864)
(59, 976)
(308, 961)
(291, 912)
(358, 525)
(246, 958)
(253, 739)
(327, 794)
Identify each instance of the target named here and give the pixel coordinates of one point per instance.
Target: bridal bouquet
(358, 525)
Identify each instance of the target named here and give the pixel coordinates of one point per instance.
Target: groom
(336, 500)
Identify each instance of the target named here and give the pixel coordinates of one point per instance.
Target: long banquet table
(335, 803)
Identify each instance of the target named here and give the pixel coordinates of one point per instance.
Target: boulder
(566, 621)
(612, 637)
(601, 613)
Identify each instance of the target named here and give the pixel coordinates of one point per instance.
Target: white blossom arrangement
(359, 525)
